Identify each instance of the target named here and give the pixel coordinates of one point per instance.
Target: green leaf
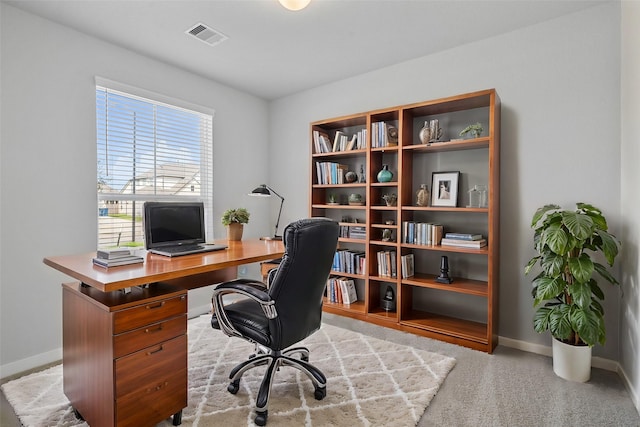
(604, 273)
(541, 319)
(595, 289)
(552, 264)
(589, 324)
(581, 268)
(556, 238)
(581, 294)
(579, 225)
(609, 246)
(530, 264)
(560, 322)
(541, 212)
(547, 288)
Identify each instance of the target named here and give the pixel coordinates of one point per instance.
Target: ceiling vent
(206, 34)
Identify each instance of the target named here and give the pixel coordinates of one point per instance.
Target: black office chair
(289, 310)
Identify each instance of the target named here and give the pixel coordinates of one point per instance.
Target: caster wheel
(320, 393)
(233, 387)
(261, 418)
(304, 358)
(78, 414)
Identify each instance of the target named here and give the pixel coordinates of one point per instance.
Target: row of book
(341, 141)
(464, 240)
(421, 233)
(383, 135)
(116, 257)
(353, 231)
(387, 263)
(331, 173)
(341, 290)
(348, 261)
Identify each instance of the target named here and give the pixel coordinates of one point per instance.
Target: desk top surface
(157, 268)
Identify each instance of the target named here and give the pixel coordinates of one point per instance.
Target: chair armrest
(255, 290)
(251, 288)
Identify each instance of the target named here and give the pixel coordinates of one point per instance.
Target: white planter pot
(571, 362)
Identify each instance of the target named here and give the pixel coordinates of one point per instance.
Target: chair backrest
(298, 285)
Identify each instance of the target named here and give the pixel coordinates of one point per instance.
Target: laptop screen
(173, 224)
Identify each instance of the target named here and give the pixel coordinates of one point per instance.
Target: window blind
(148, 150)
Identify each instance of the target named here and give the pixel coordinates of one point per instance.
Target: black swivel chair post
(285, 313)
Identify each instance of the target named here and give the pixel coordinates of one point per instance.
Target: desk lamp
(265, 191)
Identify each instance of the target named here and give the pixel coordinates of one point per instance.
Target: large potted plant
(234, 220)
(566, 294)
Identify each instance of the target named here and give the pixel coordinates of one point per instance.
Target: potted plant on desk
(566, 295)
(234, 220)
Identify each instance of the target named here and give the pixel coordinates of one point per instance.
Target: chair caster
(78, 414)
(320, 393)
(177, 418)
(233, 387)
(261, 418)
(304, 358)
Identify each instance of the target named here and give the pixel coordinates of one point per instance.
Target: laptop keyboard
(182, 248)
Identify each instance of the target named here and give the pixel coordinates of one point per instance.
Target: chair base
(275, 359)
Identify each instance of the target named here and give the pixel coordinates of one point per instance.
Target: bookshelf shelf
(467, 308)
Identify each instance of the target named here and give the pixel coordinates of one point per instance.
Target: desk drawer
(154, 403)
(151, 366)
(146, 314)
(149, 335)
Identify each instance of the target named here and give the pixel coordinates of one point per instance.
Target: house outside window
(149, 148)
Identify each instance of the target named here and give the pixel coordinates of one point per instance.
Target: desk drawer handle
(158, 329)
(152, 307)
(149, 353)
(158, 387)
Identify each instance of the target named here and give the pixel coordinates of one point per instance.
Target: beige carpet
(370, 382)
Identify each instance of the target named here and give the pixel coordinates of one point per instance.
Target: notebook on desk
(175, 228)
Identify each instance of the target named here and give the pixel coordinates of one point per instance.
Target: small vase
(234, 231)
(423, 196)
(385, 175)
(425, 133)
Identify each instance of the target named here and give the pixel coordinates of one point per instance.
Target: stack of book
(387, 263)
(421, 233)
(464, 240)
(341, 290)
(347, 261)
(116, 257)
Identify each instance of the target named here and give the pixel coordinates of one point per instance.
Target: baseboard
(545, 350)
(24, 365)
(635, 396)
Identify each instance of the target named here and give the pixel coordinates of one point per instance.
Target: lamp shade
(261, 191)
(295, 4)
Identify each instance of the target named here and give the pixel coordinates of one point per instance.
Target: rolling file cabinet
(125, 354)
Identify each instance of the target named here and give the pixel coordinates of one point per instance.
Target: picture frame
(444, 188)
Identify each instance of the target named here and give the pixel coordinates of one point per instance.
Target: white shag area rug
(370, 382)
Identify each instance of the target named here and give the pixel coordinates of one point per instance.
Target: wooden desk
(125, 353)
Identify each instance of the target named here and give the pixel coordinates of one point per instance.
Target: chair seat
(248, 318)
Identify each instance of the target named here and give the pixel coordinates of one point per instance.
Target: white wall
(629, 182)
(48, 165)
(559, 83)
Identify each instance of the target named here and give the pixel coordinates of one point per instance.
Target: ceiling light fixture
(295, 4)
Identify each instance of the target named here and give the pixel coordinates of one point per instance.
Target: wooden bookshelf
(464, 312)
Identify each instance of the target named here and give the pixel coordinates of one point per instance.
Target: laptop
(175, 228)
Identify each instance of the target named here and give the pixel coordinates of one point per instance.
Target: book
(349, 293)
(463, 236)
(125, 260)
(113, 253)
(464, 243)
(407, 265)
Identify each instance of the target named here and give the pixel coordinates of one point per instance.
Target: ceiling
(272, 52)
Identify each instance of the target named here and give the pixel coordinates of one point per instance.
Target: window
(148, 151)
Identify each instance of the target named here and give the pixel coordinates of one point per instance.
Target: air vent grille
(206, 34)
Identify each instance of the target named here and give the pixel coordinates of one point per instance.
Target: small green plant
(565, 294)
(475, 129)
(240, 216)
